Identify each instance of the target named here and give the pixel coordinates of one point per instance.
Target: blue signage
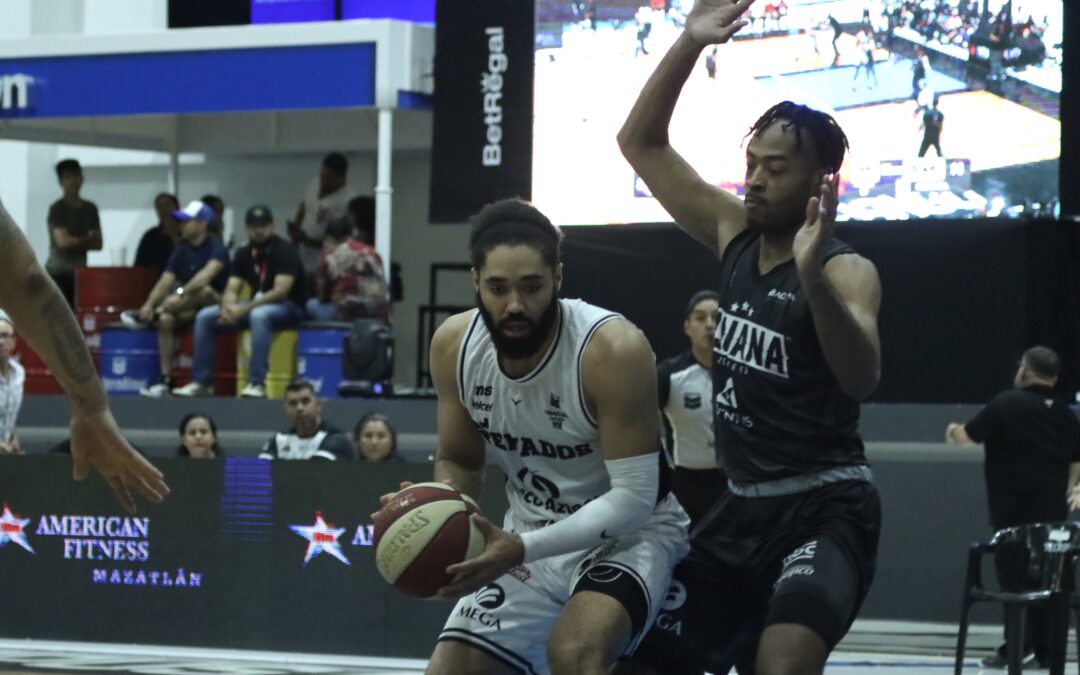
(222, 80)
(291, 11)
(416, 11)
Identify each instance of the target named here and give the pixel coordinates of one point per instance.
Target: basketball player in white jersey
(45, 321)
(561, 395)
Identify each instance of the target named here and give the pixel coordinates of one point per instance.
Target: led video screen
(951, 106)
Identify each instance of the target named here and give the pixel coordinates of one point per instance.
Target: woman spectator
(198, 437)
(375, 438)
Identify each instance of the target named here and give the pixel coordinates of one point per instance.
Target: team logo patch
(676, 596)
(491, 596)
(692, 401)
(533, 480)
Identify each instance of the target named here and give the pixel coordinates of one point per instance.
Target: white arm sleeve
(635, 482)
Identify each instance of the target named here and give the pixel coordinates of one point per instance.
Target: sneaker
(1000, 660)
(130, 318)
(156, 390)
(253, 390)
(193, 389)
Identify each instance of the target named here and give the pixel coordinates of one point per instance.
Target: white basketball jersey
(537, 426)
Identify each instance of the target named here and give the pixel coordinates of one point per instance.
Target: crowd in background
(327, 269)
(961, 22)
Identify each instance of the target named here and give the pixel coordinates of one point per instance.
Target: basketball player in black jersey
(45, 321)
(784, 560)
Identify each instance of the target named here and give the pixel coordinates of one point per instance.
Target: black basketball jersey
(778, 410)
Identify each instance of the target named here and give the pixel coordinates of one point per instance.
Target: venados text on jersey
(529, 447)
(751, 345)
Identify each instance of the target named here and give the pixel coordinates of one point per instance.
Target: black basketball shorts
(806, 558)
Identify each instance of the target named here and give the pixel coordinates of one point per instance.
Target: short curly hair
(830, 141)
(513, 222)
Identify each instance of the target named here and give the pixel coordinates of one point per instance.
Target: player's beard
(526, 345)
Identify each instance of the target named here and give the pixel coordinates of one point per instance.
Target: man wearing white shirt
(326, 198)
(12, 377)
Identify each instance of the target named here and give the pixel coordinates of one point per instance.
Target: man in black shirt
(787, 556)
(932, 123)
(157, 243)
(310, 436)
(270, 266)
(1032, 442)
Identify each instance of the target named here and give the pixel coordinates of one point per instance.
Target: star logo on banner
(322, 537)
(12, 528)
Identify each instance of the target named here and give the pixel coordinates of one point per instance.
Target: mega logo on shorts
(485, 600)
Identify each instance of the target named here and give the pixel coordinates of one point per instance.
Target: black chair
(1048, 552)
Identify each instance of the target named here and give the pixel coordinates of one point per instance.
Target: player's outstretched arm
(46, 322)
(460, 456)
(709, 214)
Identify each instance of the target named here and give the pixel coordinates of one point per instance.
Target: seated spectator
(310, 436)
(158, 242)
(375, 439)
(194, 278)
(361, 213)
(74, 229)
(12, 378)
(271, 268)
(349, 282)
(198, 437)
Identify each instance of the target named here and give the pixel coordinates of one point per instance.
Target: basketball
(423, 530)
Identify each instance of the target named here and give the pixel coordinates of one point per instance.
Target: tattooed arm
(47, 324)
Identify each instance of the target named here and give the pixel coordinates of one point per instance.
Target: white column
(384, 191)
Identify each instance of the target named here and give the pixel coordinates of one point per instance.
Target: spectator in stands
(375, 438)
(326, 198)
(361, 213)
(194, 278)
(349, 282)
(198, 437)
(158, 242)
(74, 229)
(12, 378)
(1032, 444)
(271, 268)
(310, 436)
(217, 225)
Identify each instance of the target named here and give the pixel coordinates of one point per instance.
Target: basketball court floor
(872, 648)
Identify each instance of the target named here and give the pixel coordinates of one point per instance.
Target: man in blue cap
(194, 278)
(271, 267)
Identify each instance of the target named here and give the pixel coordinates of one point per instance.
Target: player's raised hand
(502, 552)
(715, 21)
(96, 441)
(809, 244)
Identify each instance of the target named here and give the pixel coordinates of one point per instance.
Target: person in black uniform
(933, 121)
(787, 556)
(1032, 442)
(685, 388)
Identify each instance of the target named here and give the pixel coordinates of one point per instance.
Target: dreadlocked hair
(829, 139)
(513, 222)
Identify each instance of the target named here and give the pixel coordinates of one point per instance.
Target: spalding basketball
(423, 530)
